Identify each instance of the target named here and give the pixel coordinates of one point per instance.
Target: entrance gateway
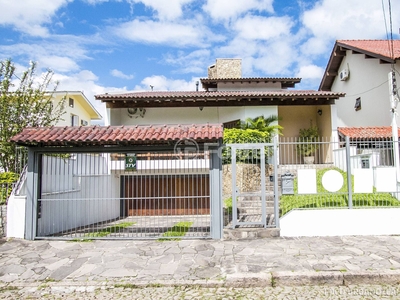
(82, 182)
(255, 199)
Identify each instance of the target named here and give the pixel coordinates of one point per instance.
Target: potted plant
(308, 137)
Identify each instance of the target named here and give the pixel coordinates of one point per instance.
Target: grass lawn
(178, 230)
(111, 229)
(325, 199)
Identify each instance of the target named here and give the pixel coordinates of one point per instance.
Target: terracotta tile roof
(112, 135)
(190, 95)
(378, 47)
(366, 132)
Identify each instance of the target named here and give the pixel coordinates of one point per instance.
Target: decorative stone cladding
(3, 220)
(248, 178)
(226, 68)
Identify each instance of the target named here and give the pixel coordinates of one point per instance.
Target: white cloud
(272, 57)
(162, 83)
(58, 63)
(29, 16)
(59, 54)
(171, 33)
(345, 19)
(260, 28)
(310, 72)
(194, 62)
(230, 9)
(166, 10)
(119, 74)
(276, 58)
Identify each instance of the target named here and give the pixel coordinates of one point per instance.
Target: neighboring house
(78, 109)
(360, 69)
(227, 98)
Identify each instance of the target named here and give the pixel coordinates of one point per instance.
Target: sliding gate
(254, 185)
(123, 195)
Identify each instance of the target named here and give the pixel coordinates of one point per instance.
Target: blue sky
(99, 46)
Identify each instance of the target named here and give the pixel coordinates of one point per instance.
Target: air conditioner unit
(84, 123)
(136, 112)
(344, 74)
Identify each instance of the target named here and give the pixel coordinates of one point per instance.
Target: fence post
(216, 193)
(32, 184)
(348, 168)
(276, 188)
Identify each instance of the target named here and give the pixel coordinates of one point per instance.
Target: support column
(32, 181)
(216, 192)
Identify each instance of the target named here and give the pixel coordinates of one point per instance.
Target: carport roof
(118, 135)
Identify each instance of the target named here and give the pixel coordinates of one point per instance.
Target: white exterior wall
(339, 222)
(368, 80)
(77, 110)
(190, 115)
(16, 217)
(248, 86)
(77, 192)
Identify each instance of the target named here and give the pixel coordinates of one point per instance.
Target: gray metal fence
(249, 196)
(163, 195)
(352, 173)
(124, 195)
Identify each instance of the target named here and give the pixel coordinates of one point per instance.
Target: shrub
(243, 136)
(307, 138)
(6, 184)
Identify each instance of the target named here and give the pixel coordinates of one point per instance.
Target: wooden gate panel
(167, 195)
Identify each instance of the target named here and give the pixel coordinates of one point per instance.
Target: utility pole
(394, 99)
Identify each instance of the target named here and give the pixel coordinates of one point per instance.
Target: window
(232, 124)
(71, 102)
(365, 162)
(74, 120)
(357, 106)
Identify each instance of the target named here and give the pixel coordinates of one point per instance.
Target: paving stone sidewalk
(333, 261)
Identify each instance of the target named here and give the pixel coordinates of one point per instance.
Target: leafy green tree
(263, 124)
(257, 130)
(25, 101)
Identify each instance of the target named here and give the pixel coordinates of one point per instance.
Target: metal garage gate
(124, 195)
(164, 195)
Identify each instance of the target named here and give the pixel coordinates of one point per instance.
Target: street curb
(334, 278)
(236, 280)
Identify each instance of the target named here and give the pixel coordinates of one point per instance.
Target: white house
(226, 98)
(360, 69)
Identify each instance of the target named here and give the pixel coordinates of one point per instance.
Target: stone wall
(226, 68)
(3, 220)
(248, 178)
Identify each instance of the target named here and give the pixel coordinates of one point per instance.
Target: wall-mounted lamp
(201, 108)
(319, 112)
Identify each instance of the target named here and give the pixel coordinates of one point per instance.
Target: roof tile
(111, 135)
(367, 132)
(379, 47)
(214, 94)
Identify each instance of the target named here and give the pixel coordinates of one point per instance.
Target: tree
(257, 130)
(24, 102)
(262, 124)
